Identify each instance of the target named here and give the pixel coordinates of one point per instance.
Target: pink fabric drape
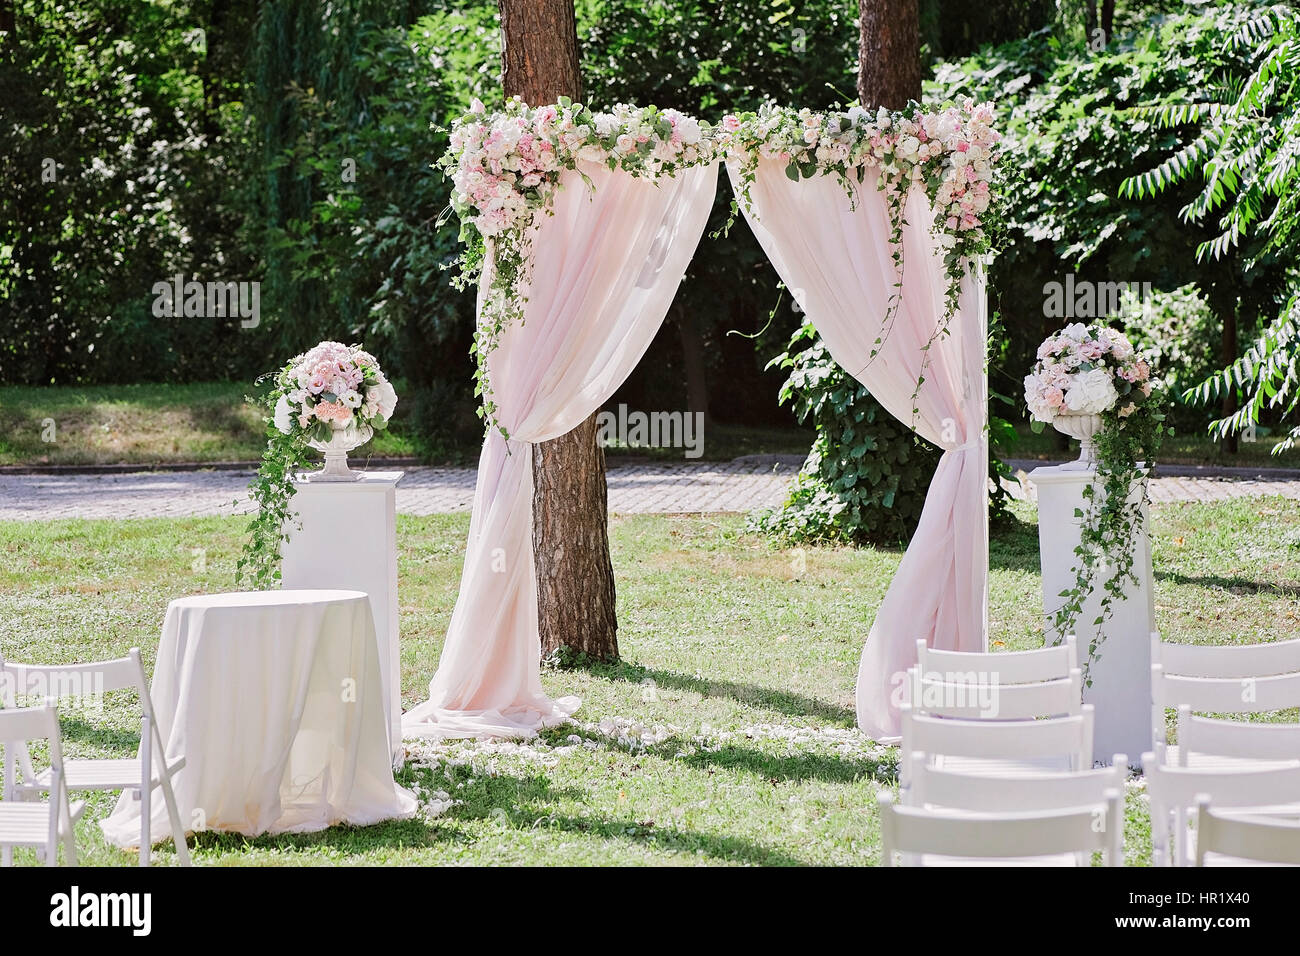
(606, 267)
(835, 258)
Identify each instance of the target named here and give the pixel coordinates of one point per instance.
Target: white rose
(385, 398)
(1092, 392)
(283, 415)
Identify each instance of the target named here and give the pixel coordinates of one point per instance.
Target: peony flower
(1092, 392)
(385, 398)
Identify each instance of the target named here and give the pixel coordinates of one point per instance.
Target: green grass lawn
(147, 424)
(211, 422)
(725, 736)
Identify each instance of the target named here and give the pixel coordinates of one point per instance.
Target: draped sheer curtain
(606, 267)
(834, 255)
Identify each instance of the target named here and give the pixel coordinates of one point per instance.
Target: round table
(274, 699)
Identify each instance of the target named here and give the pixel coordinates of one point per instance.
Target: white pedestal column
(348, 539)
(1121, 679)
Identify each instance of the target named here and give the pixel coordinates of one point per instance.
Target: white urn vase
(342, 441)
(1082, 426)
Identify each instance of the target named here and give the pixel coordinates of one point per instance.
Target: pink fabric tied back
(833, 254)
(606, 267)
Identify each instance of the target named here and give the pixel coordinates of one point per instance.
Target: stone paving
(672, 487)
(742, 485)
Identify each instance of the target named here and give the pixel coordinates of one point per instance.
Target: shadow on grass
(1013, 545)
(713, 845)
(1235, 585)
(75, 729)
(795, 705)
(794, 767)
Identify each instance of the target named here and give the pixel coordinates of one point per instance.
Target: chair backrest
(1069, 737)
(1219, 695)
(912, 831)
(1174, 791)
(1239, 786)
(29, 723)
(18, 725)
(1006, 667)
(932, 786)
(66, 680)
(1255, 740)
(1256, 837)
(1226, 660)
(936, 693)
(58, 682)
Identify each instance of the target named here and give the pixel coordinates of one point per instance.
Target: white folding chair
(1216, 695)
(1003, 747)
(1006, 667)
(1226, 660)
(929, 837)
(1237, 838)
(1017, 685)
(138, 776)
(937, 788)
(40, 824)
(1173, 792)
(1200, 738)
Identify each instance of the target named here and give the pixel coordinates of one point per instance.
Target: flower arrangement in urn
(333, 398)
(1091, 384)
(339, 397)
(1083, 371)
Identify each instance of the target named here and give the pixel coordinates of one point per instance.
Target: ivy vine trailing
(1095, 370)
(950, 153)
(271, 491)
(506, 168)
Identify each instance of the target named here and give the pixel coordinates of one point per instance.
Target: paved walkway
(740, 485)
(744, 484)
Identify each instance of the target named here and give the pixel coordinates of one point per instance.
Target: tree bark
(889, 53)
(575, 578)
(1107, 18)
(1223, 302)
(539, 55)
(697, 388)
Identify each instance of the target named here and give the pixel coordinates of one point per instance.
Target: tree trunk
(539, 55)
(1223, 302)
(575, 578)
(1107, 18)
(697, 389)
(889, 53)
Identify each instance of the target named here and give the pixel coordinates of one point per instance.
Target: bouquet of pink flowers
(330, 388)
(1087, 370)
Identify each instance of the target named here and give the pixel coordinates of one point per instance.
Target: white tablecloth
(274, 700)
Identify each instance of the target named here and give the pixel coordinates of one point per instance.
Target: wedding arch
(580, 227)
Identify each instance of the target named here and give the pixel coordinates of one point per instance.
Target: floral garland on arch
(1093, 374)
(950, 153)
(505, 169)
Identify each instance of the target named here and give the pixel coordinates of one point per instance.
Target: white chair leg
(146, 794)
(178, 830)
